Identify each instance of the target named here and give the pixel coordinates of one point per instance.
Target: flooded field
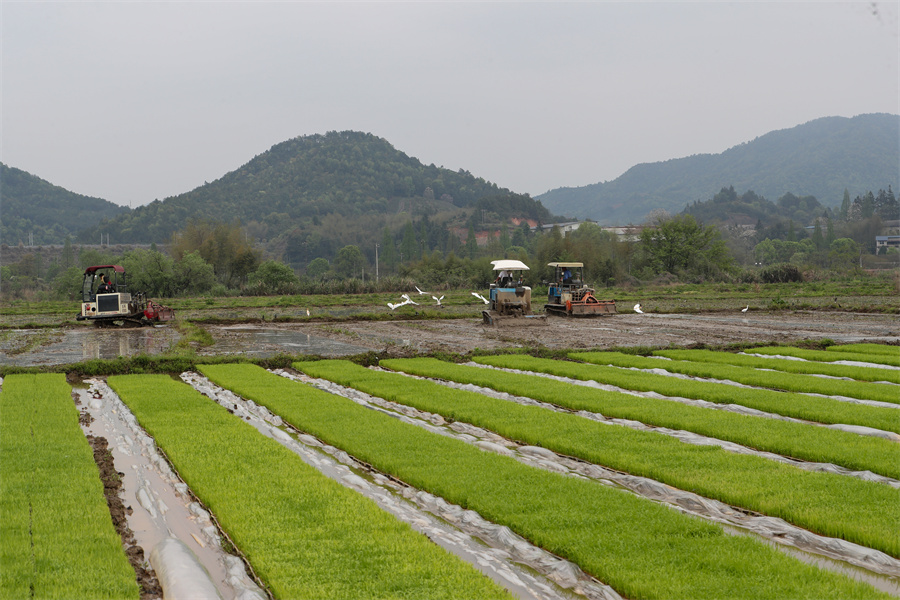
(65, 345)
(37, 347)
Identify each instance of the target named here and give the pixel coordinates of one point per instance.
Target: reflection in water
(64, 346)
(262, 342)
(75, 345)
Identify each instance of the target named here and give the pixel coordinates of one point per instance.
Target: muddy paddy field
(259, 338)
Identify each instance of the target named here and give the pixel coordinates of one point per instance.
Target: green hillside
(331, 182)
(821, 158)
(33, 211)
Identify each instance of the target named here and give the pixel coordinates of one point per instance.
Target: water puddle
(37, 347)
(261, 342)
(34, 347)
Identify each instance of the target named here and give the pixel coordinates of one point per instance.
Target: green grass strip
(799, 406)
(830, 355)
(867, 349)
(790, 382)
(789, 366)
(16, 447)
(796, 440)
(57, 536)
(306, 535)
(642, 549)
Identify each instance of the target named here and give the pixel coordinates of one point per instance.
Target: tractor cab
(104, 293)
(509, 296)
(568, 295)
(105, 300)
(567, 276)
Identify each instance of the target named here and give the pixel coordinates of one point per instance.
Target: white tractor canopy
(572, 265)
(509, 265)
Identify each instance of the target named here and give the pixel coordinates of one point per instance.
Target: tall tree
(408, 246)
(387, 252)
(683, 244)
(349, 262)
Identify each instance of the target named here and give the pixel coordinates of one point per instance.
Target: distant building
(886, 241)
(564, 228)
(627, 233)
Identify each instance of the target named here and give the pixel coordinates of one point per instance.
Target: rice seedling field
(890, 356)
(56, 536)
(805, 461)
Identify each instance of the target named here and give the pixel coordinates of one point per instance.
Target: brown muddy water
(40, 347)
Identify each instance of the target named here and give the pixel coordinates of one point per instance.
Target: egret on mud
(637, 309)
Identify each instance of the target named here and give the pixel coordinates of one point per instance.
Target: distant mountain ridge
(36, 212)
(820, 158)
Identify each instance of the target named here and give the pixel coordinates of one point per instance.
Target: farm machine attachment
(106, 302)
(510, 299)
(569, 296)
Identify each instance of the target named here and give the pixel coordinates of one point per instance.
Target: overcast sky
(134, 101)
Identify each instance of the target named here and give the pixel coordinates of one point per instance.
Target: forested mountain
(728, 208)
(821, 158)
(34, 211)
(338, 177)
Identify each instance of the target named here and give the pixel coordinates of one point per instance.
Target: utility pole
(376, 264)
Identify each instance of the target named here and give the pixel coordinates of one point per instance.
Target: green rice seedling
(831, 355)
(788, 366)
(799, 406)
(867, 349)
(816, 501)
(797, 440)
(791, 382)
(53, 500)
(642, 549)
(306, 535)
(16, 562)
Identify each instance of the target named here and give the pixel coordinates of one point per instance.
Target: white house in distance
(626, 233)
(886, 241)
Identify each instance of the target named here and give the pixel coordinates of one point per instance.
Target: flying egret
(480, 297)
(408, 299)
(420, 291)
(438, 300)
(745, 309)
(404, 303)
(637, 309)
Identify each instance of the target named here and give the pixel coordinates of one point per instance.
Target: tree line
(218, 259)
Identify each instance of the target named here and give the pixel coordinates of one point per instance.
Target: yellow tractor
(569, 296)
(510, 298)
